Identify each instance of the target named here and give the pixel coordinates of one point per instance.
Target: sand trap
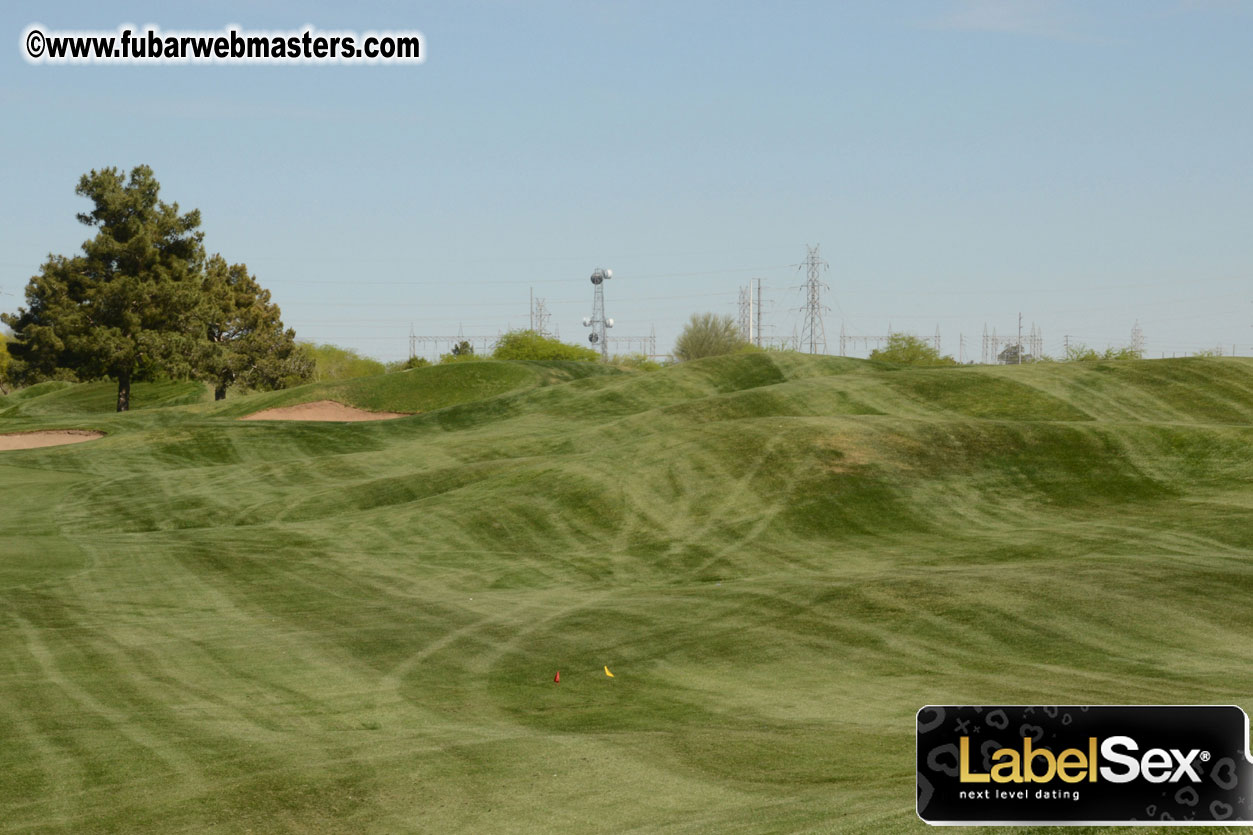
(51, 437)
(327, 410)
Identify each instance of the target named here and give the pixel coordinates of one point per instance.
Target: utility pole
(746, 313)
(1020, 338)
(752, 321)
(539, 315)
(758, 343)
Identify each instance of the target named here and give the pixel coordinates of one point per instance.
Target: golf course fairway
(216, 625)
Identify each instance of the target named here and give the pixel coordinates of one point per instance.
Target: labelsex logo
(1039, 765)
(1099, 765)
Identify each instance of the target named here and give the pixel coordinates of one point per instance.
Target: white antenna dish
(587, 321)
(608, 274)
(609, 323)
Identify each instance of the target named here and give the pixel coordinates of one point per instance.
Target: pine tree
(246, 342)
(129, 306)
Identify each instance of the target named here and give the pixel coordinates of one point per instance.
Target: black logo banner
(1108, 765)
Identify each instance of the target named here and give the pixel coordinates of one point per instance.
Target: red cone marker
(557, 678)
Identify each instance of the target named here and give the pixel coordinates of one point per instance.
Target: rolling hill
(209, 624)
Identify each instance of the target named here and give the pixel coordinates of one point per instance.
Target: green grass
(59, 398)
(424, 389)
(216, 625)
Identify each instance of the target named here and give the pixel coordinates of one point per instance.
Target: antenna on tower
(813, 334)
(598, 322)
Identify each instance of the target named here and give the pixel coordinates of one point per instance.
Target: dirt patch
(51, 437)
(323, 410)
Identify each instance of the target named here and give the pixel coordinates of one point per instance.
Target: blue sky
(1089, 165)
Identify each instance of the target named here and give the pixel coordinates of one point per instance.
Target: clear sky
(1088, 164)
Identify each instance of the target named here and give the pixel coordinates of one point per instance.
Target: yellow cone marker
(607, 672)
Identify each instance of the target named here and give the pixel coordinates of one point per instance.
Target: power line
(463, 305)
(524, 282)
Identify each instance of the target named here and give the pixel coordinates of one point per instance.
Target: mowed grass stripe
(226, 626)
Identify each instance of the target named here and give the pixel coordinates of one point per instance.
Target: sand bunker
(327, 410)
(51, 437)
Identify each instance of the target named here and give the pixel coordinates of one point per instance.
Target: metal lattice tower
(757, 312)
(1137, 340)
(813, 335)
(849, 341)
(750, 312)
(745, 317)
(433, 346)
(1028, 350)
(539, 316)
(598, 322)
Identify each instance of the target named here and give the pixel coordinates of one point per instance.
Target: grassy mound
(59, 398)
(424, 389)
(354, 627)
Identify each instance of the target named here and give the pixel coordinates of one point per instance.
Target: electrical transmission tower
(758, 311)
(598, 321)
(813, 335)
(745, 317)
(646, 345)
(750, 312)
(539, 316)
(1012, 350)
(848, 341)
(433, 346)
(1137, 340)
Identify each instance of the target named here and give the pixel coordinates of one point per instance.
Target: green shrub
(639, 362)
(332, 362)
(4, 362)
(405, 365)
(532, 345)
(709, 335)
(1082, 353)
(907, 349)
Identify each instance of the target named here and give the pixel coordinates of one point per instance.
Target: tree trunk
(219, 393)
(124, 391)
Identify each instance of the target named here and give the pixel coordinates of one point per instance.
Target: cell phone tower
(597, 321)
